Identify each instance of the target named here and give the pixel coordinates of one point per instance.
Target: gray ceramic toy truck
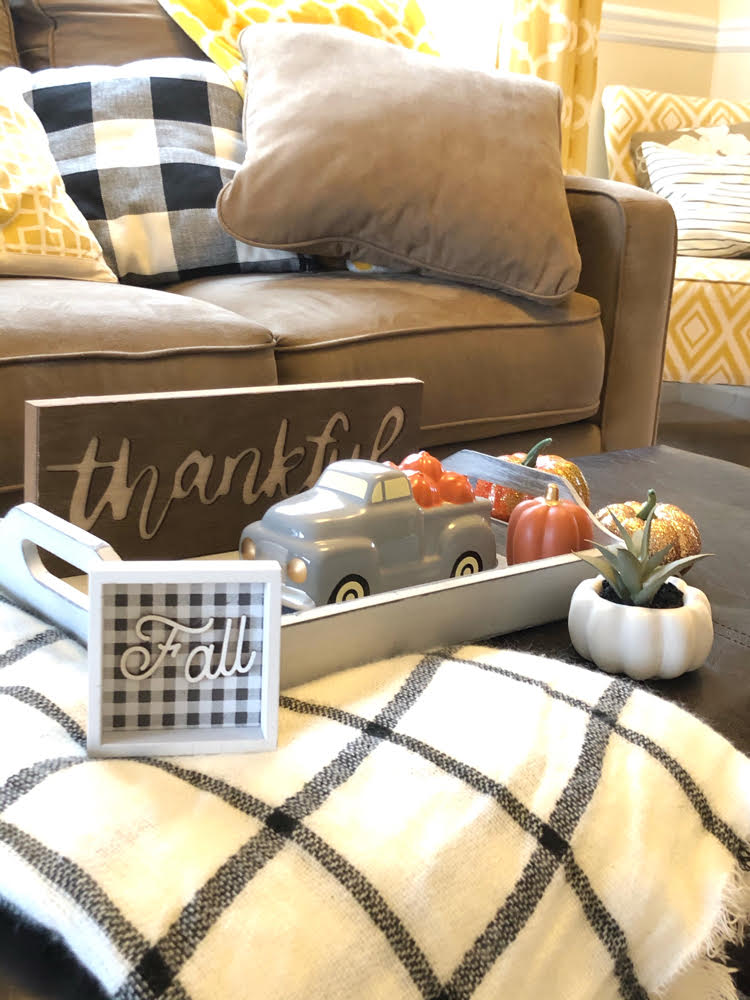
(360, 531)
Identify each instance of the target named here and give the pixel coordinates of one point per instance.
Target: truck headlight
(247, 548)
(296, 570)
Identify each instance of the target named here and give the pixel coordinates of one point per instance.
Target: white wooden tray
(334, 637)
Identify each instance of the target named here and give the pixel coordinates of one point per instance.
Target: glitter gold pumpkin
(670, 525)
(505, 499)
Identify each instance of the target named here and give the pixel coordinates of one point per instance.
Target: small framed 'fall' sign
(183, 658)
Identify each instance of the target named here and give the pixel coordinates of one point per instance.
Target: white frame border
(180, 741)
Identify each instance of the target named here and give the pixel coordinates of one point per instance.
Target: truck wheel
(348, 589)
(467, 564)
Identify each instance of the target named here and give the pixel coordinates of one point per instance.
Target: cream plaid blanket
(464, 823)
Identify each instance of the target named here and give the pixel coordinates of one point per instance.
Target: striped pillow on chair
(710, 196)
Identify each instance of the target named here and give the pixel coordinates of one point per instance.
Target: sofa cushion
(8, 51)
(42, 232)
(491, 364)
(368, 158)
(79, 32)
(144, 150)
(75, 338)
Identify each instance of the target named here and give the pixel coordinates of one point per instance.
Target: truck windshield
(344, 482)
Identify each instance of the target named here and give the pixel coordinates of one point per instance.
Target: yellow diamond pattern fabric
(709, 326)
(42, 232)
(215, 25)
(631, 109)
(558, 40)
(709, 323)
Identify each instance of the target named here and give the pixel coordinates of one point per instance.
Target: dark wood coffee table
(717, 495)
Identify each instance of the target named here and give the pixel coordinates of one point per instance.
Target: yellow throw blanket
(215, 25)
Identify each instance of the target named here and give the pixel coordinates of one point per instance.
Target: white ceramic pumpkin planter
(641, 642)
(627, 635)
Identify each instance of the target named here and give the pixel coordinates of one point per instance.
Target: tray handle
(26, 580)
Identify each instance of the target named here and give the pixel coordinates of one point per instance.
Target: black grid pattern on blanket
(143, 150)
(318, 856)
(226, 632)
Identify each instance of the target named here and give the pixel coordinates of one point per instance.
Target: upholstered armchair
(709, 328)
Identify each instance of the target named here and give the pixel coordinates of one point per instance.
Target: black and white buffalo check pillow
(144, 150)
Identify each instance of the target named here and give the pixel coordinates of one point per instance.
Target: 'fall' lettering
(136, 663)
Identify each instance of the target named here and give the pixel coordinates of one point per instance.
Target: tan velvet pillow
(396, 158)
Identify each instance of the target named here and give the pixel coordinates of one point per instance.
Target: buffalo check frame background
(183, 657)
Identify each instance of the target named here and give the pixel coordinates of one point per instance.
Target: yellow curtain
(557, 40)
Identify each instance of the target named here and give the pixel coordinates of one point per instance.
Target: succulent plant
(635, 575)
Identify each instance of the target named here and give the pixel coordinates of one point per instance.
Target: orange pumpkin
(423, 489)
(546, 526)
(455, 488)
(670, 526)
(423, 461)
(505, 499)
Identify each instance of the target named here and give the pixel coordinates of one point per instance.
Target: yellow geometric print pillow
(42, 232)
(215, 25)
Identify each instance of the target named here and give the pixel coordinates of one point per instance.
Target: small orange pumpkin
(455, 488)
(423, 461)
(424, 490)
(546, 526)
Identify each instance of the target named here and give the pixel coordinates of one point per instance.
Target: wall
(730, 10)
(695, 8)
(731, 76)
(684, 46)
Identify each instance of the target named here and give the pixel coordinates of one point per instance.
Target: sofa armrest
(627, 239)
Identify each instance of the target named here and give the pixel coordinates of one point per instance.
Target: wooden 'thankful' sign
(176, 475)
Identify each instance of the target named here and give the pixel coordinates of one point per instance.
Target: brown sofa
(499, 371)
